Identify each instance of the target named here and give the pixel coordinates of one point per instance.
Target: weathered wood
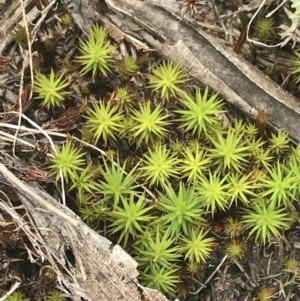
(10, 15)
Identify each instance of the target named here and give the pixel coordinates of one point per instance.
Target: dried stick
(213, 273)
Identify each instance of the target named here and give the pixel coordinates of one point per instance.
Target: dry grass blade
(3, 62)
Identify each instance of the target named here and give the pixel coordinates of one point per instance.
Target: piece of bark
(10, 15)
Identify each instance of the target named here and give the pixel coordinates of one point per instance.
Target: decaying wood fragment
(10, 15)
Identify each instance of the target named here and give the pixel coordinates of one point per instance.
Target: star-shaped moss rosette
(157, 250)
(123, 99)
(94, 213)
(265, 29)
(159, 166)
(241, 188)
(235, 249)
(233, 227)
(168, 78)
(200, 112)
(265, 294)
(16, 296)
(281, 185)
(67, 159)
(181, 210)
(51, 90)
(148, 124)
(56, 295)
(96, 52)
(162, 279)
(84, 181)
(130, 217)
(230, 151)
(213, 192)
(264, 221)
(194, 164)
(280, 143)
(116, 183)
(127, 67)
(196, 246)
(296, 66)
(104, 121)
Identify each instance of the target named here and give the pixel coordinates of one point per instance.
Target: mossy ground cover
(158, 167)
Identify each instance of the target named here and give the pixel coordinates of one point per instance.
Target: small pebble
(210, 17)
(40, 116)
